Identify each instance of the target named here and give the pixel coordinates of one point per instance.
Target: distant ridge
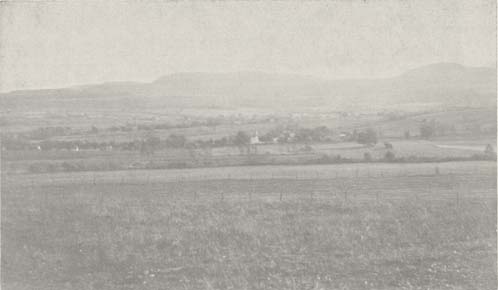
(442, 83)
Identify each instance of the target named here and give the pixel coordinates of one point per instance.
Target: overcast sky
(53, 44)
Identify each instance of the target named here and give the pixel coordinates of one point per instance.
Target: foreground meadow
(186, 235)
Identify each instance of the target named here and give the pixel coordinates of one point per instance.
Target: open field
(323, 214)
(351, 226)
(33, 161)
(248, 145)
(375, 170)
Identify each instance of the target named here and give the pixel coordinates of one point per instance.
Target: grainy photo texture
(178, 145)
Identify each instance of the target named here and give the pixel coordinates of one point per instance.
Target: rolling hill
(444, 84)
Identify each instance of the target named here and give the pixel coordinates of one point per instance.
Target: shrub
(389, 156)
(368, 137)
(176, 141)
(427, 129)
(489, 151)
(241, 139)
(37, 168)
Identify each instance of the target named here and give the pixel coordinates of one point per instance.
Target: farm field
(248, 145)
(349, 226)
(325, 171)
(90, 160)
(322, 208)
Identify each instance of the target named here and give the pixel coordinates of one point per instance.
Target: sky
(49, 44)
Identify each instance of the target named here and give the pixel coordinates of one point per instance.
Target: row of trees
(151, 143)
(147, 145)
(367, 137)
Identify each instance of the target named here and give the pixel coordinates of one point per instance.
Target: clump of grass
(137, 243)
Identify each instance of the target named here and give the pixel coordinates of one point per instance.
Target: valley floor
(351, 226)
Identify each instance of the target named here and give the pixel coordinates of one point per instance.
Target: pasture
(350, 226)
(90, 160)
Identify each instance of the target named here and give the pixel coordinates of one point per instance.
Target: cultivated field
(350, 226)
(90, 160)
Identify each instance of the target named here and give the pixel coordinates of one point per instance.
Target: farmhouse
(345, 136)
(255, 139)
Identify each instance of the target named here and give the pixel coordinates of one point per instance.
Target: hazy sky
(53, 44)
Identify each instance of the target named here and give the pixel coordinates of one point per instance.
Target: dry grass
(141, 240)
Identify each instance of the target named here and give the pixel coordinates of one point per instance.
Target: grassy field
(91, 160)
(389, 226)
(325, 171)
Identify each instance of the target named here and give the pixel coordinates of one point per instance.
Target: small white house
(255, 139)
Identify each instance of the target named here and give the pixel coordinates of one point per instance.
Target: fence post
(100, 237)
(101, 202)
(61, 194)
(281, 196)
(253, 189)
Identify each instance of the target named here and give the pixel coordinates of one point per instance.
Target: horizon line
(304, 75)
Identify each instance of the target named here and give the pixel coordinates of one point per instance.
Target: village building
(255, 139)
